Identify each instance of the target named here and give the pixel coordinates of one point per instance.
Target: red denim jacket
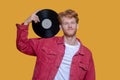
(49, 53)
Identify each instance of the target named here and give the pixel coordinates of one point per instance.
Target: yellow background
(98, 30)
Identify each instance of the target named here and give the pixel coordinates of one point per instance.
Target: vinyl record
(48, 25)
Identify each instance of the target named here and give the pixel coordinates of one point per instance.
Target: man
(58, 58)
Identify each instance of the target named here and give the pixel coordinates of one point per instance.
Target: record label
(46, 23)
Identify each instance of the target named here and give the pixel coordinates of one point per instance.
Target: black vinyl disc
(48, 25)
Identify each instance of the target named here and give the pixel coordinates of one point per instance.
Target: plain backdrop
(99, 30)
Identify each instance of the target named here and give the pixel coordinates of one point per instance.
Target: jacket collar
(61, 41)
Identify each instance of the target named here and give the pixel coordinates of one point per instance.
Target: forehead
(68, 19)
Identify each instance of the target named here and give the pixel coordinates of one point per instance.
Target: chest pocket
(47, 55)
(83, 67)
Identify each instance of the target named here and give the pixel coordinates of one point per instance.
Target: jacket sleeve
(24, 44)
(90, 75)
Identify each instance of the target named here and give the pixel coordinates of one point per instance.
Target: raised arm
(24, 44)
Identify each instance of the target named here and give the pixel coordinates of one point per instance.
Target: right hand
(33, 17)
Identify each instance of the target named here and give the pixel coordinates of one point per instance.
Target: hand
(33, 17)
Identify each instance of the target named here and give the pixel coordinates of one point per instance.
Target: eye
(65, 23)
(73, 22)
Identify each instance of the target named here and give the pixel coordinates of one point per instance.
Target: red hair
(70, 14)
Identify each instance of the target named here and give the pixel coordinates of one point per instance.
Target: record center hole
(46, 23)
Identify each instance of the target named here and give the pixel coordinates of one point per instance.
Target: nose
(69, 25)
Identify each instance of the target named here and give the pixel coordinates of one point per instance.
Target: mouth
(70, 29)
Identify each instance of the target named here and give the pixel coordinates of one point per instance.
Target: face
(69, 26)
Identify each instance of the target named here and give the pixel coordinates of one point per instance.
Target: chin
(70, 35)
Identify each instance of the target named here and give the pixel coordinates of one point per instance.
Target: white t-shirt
(64, 69)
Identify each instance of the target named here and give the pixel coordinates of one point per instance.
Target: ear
(60, 27)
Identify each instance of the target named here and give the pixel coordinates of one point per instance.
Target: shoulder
(46, 40)
(55, 38)
(86, 54)
(84, 50)
(87, 50)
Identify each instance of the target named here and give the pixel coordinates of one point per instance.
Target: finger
(35, 21)
(37, 18)
(33, 17)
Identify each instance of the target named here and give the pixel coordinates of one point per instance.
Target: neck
(71, 40)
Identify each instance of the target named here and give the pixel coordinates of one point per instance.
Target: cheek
(63, 27)
(75, 27)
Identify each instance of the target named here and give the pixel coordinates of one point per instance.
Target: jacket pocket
(83, 67)
(47, 55)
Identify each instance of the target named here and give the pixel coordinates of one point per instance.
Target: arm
(24, 44)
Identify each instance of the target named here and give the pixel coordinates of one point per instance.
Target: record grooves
(48, 25)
